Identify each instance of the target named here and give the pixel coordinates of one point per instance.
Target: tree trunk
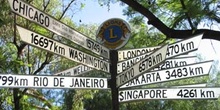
(16, 99)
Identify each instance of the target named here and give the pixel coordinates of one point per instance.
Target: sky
(94, 13)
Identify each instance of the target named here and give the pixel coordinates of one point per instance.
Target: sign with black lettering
(131, 53)
(53, 46)
(168, 93)
(176, 62)
(170, 63)
(189, 71)
(184, 46)
(33, 14)
(75, 71)
(126, 64)
(173, 50)
(142, 66)
(58, 82)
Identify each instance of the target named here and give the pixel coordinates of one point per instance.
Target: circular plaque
(113, 33)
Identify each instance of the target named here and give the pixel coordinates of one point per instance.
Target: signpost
(75, 71)
(142, 66)
(33, 14)
(192, 70)
(53, 46)
(135, 66)
(169, 93)
(56, 82)
(131, 53)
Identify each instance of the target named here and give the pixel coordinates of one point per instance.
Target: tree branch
(66, 9)
(152, 19)
(170, 33)
(45, 6)
(35, 94)
(208, 34)
(20, 48)
(187, 15)
(46, 61)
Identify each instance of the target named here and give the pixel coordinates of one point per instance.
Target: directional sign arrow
(131, 53)
(184, 46)
(191, 85)
(173, 50)
(75, 71)
(33, 14)
(142, 66)
(168, 93)
(124, 65)
(53, 46)
(58, 82)
(176, 62)
(192, 70)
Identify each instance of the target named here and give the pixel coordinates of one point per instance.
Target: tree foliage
(19, 58)
(178, 18)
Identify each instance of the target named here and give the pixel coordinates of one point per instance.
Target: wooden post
(112, 82)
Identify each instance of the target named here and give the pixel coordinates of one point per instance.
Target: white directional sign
(173, 50)
(176, 62)
(192, 70)
(75, 71)
(184, 46)
(168, 93)
(142, 66)
(58, 82)
(191, 85)
(185, 55)
(53, 46)
(33, 14)
(131, 53)
(124, 65)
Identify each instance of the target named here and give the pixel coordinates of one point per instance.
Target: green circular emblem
(113, 33)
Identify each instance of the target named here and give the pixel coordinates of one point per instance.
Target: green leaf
(82, 5)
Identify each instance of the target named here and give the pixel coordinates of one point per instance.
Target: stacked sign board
(174, 67)
(136, 67)
(55, 47)
(172, 50)
(145, 64)
(33, 14)
(192, 70)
